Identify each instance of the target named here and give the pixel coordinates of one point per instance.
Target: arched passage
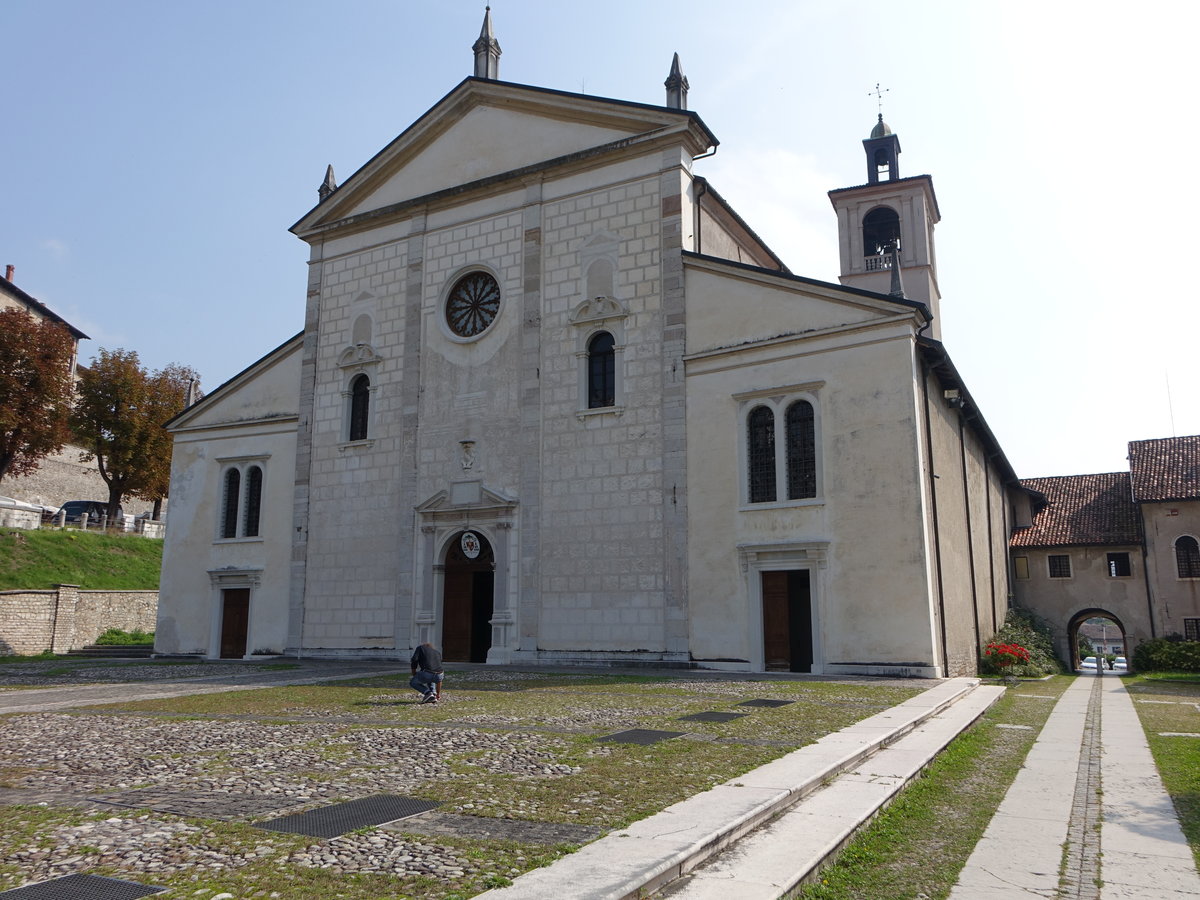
(467, 597)
(1079, 619)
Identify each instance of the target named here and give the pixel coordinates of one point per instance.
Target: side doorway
(235, 622)
(787, 621)
(467, 598)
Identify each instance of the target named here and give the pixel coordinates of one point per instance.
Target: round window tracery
(472, 304)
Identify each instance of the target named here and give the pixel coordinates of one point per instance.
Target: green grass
(1176, 710)
(919, 844)
(38, 560)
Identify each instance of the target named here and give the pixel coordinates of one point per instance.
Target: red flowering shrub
(1001, 656)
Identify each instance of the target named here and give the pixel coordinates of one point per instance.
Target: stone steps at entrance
(808, 803)
(119, 651)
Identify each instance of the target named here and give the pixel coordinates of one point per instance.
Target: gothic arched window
(360, 400)
(760, 433)
(1187, 557)
(602, 371)
(801, 451)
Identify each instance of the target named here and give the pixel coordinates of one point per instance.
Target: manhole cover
(768, 703)
(331, 821)
(713, 717)
(82, 887)
(643, 736)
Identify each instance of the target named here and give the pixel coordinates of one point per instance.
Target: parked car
(1089, 662)
(1119, 665)
(95, 510)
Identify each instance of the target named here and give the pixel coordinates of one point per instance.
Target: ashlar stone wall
(66, 618)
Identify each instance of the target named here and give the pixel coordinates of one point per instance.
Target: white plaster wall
(1175, 598)
(187, 598)
(868, 509)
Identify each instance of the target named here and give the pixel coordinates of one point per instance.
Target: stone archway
(1078, 619)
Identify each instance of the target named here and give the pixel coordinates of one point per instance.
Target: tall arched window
(360, 400)
(760, 428)
(801, 451)
(1187, 557)
(602, 371)
(233, 496)
(253, 502)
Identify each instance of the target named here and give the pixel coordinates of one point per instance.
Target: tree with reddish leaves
(35, 389)
(118, 420)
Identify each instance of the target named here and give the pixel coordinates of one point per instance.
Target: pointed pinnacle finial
(328, 186)
(897, 289)
(676, 85)
(487, 49)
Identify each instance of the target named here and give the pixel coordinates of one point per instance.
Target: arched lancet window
(253, 501)
(229, 515)
(1187, 557)
(602, 371)
(881, 227)
(760, 432)
(801, 451)
(360, 400)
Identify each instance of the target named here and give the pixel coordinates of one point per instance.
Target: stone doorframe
(467, 506)
(223, 580)
(776, 557)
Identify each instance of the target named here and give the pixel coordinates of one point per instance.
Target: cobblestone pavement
(240, 769)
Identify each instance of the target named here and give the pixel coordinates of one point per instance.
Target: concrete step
(792, 848)
(655, 852)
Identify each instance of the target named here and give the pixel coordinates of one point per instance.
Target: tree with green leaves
(35, 389)
(118, 420)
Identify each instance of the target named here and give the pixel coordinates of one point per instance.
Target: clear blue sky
(156, 153)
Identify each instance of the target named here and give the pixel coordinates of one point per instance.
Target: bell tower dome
(889, 221)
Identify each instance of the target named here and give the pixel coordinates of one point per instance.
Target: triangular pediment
(484, 129)
(466, 495)
(266, 391)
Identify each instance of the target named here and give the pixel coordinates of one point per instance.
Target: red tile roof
(1082, 509)
(1166, 468)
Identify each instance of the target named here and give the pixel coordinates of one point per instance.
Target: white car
(1088, 663)
(1119, 665)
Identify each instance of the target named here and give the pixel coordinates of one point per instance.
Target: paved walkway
(1091, 765)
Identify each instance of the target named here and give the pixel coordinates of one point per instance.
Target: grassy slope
(38, 560)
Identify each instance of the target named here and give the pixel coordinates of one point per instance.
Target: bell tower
(885, 228)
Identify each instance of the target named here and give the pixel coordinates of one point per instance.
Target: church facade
(554, 401)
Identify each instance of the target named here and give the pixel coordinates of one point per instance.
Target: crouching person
(427, 672)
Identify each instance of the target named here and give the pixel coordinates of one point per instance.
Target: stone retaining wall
(66, 618)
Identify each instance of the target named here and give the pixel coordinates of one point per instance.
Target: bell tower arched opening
(881, 231)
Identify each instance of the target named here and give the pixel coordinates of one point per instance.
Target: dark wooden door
(787, 621)
(467, 602)
(235, 622)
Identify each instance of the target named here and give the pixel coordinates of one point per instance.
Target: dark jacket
(427, 658)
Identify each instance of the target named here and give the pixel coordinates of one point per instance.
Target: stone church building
(554, 401)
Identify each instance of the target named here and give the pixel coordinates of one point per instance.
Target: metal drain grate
(82, 887)
(643, 736)
(768, 703)
(331, 821)
(713, 717)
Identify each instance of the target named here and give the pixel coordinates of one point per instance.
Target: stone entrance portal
(468, 598)
(787, 621)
